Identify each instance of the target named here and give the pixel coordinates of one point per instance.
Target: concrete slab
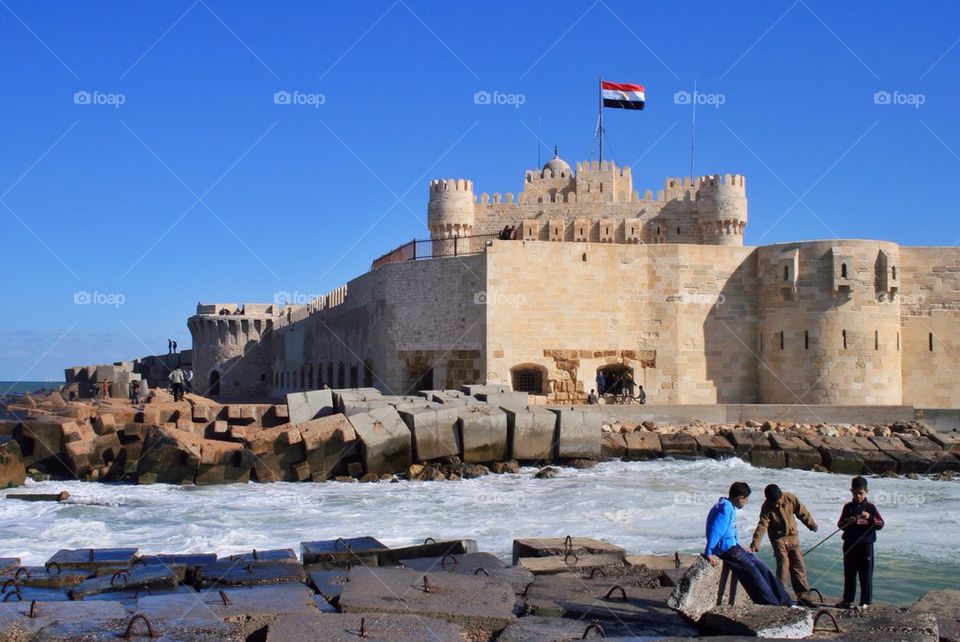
(189, 559)
(339, 553)
(434, 431)
(532, 628)
(532, 433)
(237, 572)
(758, 621)
(578, 434)
(164, 631)
(544, 546)
(767, 458)
(800, 454)
(345, 627)
(715, 446)
(385, 441)
(474, 602)
(483, 434)
(882, 622)
(662, 562)
(329, 443)
(329, 584)
(474, 389)
(311, 404)
(506, 400)
(270, 555)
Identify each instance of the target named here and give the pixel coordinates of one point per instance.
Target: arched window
(528, 378)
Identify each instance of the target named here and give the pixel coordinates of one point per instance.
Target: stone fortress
(600, 278)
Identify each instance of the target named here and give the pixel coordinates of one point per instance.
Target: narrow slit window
(806, 339)
(844, 339)
(786, 273)
(843, 270)
(761, 342)
(876, 339)
(898, 342)
(930, 342)
(781, 339)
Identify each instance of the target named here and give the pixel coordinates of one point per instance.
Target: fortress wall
(397, 322)
(930, 304)
(656, 309)
(825, 338)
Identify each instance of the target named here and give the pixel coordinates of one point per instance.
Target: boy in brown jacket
(777, 520)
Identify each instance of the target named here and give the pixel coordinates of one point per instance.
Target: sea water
(646, 507)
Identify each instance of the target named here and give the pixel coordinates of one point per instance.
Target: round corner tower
(722, 209)
(450, 214)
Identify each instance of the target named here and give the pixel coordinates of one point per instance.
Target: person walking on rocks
(860, 520)
(134, 392)
(761, 584)
(778, 520)
(176, 383)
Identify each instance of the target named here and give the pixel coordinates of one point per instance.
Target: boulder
(277, 454)
(223, 462)
(41, 441)
(385, 443)
(613, 446)
(799, 454)
(715, 446)
(945, 605)
(643, 445)
(551, 546)
(677, 445)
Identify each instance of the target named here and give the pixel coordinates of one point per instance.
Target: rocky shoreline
(361, 435)
(554, 589)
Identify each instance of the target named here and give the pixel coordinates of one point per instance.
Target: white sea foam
(646, 507)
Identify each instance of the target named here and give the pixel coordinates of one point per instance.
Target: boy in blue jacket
(860, 521)
(760, 582)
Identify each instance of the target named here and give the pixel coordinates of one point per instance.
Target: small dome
(556, 165)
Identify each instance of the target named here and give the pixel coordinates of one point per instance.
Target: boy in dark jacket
(860, 521)
(778, 519)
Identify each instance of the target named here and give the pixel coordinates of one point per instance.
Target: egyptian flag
(621, 95)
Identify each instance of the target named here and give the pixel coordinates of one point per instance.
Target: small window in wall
(781, 339)
(893, 272)
(330, 374)
(843, 270)
(930, 342)
(844, 339)
(786, 272)
(898, 342)
(678, 231)
(341, 377)
(528, 380)
(761, 342)
(353, 376)
(876, 339)
(806, 339)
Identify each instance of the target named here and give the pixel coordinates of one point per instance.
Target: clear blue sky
(198, 187)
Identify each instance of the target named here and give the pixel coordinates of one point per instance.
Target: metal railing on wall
(436, 248)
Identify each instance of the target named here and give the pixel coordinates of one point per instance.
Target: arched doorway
(617, 379)
(214, 383)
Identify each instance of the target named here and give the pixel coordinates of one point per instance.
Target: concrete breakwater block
(643, 446)
(339, 553)
(799, 453)
(715, 446)
(485, 564)
(12, 471)
(256, 607)
(434, 432)
(679, 446)
(882, 622)
(345, 627)
(622, 607)
(945, 605)
(287, 555)
(429, 548)
(185, 559)
(385, 443)
(703, 587)
(532, 628)
(505, 400)
(311, 404)
(223, 462)
(329, 584)
(758, 621)
(170, 630)
(483, 434)
(552, 546)
(238, 572)
(91, 559)
(137, 577)
(472, 601)
(532, 433)
(329, 443)
(578, 434)
(15, 623)
(475, 389)
(838, 457)
(169, 456)
(342, 396)
(570, 562)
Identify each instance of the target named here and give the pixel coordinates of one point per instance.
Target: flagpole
(600, 113)
(693, 128)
